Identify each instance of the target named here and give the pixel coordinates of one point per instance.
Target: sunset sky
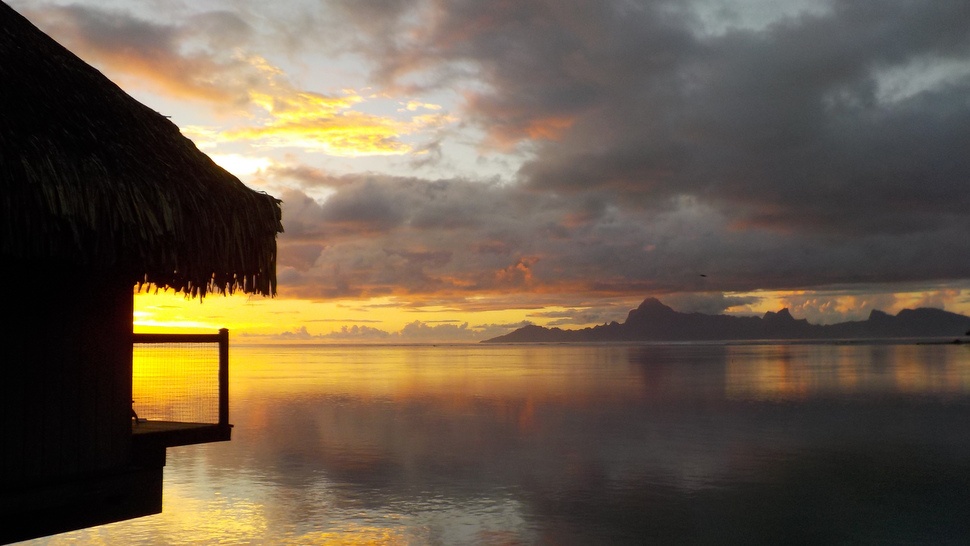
(451, 170)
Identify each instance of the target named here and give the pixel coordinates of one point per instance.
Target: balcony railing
(180, 388)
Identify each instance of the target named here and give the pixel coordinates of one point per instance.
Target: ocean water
(849, 443)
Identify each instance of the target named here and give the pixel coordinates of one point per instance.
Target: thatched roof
(90, 177)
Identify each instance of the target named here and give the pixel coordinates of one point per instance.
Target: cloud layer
(655, 147)
(822, 147)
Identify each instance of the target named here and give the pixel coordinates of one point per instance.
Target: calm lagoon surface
(861, 443)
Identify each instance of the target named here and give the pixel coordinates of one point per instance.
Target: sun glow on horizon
(373, 320)
(392, 320)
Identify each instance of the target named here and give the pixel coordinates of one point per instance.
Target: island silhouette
(654, 321)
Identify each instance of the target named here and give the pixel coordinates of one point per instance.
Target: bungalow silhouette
(101, 196)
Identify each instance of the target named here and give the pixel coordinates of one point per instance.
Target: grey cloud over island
(827, 148)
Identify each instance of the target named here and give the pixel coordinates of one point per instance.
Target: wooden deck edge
(164, 434)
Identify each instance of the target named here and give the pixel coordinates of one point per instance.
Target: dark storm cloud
(382, 234)
(794, 127)
(424, 239)
(707, 303)
(784, 128)
(825, 148)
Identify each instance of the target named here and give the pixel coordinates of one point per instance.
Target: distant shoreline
(654, 321)
(706, 342)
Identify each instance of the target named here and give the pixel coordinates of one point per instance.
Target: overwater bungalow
(102, 196)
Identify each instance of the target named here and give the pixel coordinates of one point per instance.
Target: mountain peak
(653, 304)
(784, 314)
(651, 308)
(877, 315)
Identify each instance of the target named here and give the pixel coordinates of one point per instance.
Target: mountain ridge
(652, 320)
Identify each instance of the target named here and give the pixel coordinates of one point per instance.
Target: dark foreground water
(640, 444)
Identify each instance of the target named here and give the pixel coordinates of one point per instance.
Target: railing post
(224, 377)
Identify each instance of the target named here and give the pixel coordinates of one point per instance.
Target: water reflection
(798, 372)
(578, 445)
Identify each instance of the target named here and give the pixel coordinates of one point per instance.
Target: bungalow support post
(224, 377)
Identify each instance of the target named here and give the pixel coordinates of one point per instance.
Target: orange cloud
(550, 128)
(509, 124)
(177, 77)
(518, 274)
(506, 136)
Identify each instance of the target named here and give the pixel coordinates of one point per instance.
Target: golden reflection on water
(352, 536)
(517, 379)
(213, 519)
(797, 372)
(455, 375)
(545, 444)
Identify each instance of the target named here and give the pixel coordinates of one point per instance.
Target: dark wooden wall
(65, 377)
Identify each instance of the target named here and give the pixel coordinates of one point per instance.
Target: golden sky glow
(261, 319)
(315, 122)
